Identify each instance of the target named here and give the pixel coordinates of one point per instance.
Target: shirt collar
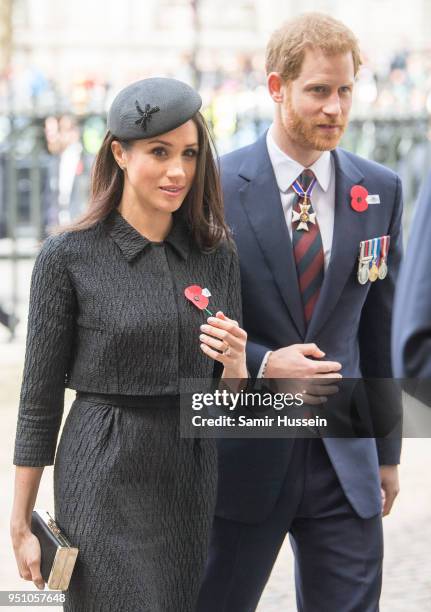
(131, 242)
(286, 169)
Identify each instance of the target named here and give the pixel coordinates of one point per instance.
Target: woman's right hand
(27, 553)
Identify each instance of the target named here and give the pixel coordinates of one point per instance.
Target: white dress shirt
(286, 171)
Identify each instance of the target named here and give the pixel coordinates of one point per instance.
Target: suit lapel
(260, 198)
(348, 232)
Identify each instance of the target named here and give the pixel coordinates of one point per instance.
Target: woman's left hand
(224, 340)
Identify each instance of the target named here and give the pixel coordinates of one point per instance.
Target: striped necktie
(307, 247)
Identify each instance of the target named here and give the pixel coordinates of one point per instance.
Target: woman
(108, 318)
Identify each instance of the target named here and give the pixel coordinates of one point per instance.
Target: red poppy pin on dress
(198, 297)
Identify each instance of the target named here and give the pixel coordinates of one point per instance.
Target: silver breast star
(304, 217)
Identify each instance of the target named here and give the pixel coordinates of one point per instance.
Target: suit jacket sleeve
(255, 355)
(375, 329)
(412, 314)
(48, 351)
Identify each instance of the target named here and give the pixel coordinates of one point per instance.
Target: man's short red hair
(286, 47)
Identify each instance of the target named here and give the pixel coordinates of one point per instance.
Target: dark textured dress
(108, 318)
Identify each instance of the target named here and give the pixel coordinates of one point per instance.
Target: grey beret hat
(151, 107)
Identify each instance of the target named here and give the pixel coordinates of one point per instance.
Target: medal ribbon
(299, 190)
(376, 250)
(385, 246)
(367, 248)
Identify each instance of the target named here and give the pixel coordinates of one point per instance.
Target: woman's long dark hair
(202, 207)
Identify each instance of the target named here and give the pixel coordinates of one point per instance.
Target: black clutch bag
(58, 556)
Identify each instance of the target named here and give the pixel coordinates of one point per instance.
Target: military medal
(303, 217)
(372, 259)
(383, 270)
(363, 274)
(373, 272)
(364, 262)
(383, 267)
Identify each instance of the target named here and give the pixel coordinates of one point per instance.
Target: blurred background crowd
(62, 63)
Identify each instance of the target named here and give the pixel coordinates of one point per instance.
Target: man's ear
(275, 86)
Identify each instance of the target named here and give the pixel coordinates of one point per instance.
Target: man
(302, 300)
(412, 313)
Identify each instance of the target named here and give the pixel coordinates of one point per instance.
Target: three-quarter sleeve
(48, 352)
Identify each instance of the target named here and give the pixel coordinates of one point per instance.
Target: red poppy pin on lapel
(361, 198)
(198, 297)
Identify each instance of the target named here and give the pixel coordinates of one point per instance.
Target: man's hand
(292, 362)
(390, 486)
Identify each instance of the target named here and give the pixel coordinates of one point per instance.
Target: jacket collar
(131, 242)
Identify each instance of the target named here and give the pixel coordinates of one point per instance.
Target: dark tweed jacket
(108, 315)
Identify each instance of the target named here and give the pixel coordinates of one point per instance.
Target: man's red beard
(307, 133)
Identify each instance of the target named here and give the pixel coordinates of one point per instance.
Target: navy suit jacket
(412, 312)
(351, 322)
